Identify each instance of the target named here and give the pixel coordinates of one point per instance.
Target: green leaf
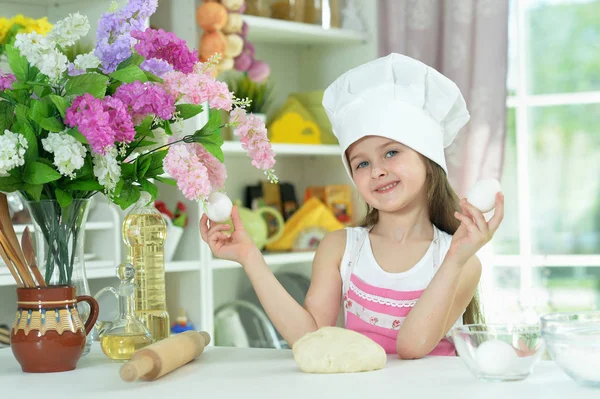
(214, 149)
(41, 110)
(20, 86)
(18, 63)
(214, 121)
(127, 170)
(78, 135)
(156, 164)
(152, 77)
(145, 128)
(187, 111)
(41, 91)
(34, 190)
(84, 185)
(22, 112)
(9, 184)
(61, 104)
(39, 173)
(166, 180)
(129, 195)
(7, 111)
(92, 83)
(150, 188)
(64, 198)
(52, 124)
(142, 166)
(25, 129)
(129, 74)
(134, 59)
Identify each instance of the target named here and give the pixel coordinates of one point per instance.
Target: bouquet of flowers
(111, 122)
(69, 130)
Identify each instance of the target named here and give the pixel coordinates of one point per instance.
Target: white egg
(495, 357)
(483, 194)
(218, 207)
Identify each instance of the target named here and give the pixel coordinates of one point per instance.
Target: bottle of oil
(126, 334)
(144, 233)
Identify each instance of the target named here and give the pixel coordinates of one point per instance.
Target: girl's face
(387, 174)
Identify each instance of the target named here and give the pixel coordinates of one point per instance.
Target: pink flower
(395, 324)
(197, 172)
(253, 136)
(165, 46)
(217, 173)
(120, 120)
(88, 114)
(191, 175)
(198, 87)
(143, 99)
(102, 122)
(6, 81)
(220, 96)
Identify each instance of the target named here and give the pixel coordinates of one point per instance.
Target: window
(547, 251)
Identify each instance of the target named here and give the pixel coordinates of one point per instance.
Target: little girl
(409, 273)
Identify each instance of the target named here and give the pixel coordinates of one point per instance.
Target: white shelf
(182, 266)
(19, 228)
(275, 259)
(268, 30)
(235, 148)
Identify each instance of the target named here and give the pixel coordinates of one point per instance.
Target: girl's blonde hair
(442, 202)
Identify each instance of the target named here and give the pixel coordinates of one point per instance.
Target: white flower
(12, 151)
(33, 46)
(53, 64)
(67, 31)
(107, 169)
(43, 54)
(85, 61)
(69, 154)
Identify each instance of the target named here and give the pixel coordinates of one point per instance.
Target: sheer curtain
(466, 40)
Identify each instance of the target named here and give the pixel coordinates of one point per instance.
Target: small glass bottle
(126, 334)
(144, 233)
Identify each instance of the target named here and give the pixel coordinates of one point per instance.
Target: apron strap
(356, 240)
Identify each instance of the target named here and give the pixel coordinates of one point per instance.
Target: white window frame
(526, 261)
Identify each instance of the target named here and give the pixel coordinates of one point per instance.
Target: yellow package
(313, 213)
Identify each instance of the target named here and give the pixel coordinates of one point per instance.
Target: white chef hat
(399, 98)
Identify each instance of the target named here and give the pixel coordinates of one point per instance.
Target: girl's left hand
(474, 232)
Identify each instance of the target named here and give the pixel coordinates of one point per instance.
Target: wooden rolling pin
(162, 357)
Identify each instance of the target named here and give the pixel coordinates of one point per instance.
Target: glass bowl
(573, 341)
(495, 352)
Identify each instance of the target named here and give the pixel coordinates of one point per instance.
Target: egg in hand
(483, 194)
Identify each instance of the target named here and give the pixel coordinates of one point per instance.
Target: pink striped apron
(376, 312)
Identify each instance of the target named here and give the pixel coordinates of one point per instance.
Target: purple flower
(6, 81)
(143, 99)
(157, 67)
(113, 39)
(165, 46)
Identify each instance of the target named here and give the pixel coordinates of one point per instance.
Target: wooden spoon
(7, 228)
(11, 267)
(21, 268)
(29, 252)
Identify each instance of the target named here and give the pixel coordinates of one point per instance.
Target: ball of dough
(338, 350)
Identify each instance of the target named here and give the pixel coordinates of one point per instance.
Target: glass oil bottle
(144, 233)
(126, 334)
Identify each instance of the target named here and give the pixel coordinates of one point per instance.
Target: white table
(268, 373)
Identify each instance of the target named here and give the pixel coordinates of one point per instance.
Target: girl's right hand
(236, 246)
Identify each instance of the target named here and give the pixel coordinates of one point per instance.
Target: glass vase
(59, 243)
